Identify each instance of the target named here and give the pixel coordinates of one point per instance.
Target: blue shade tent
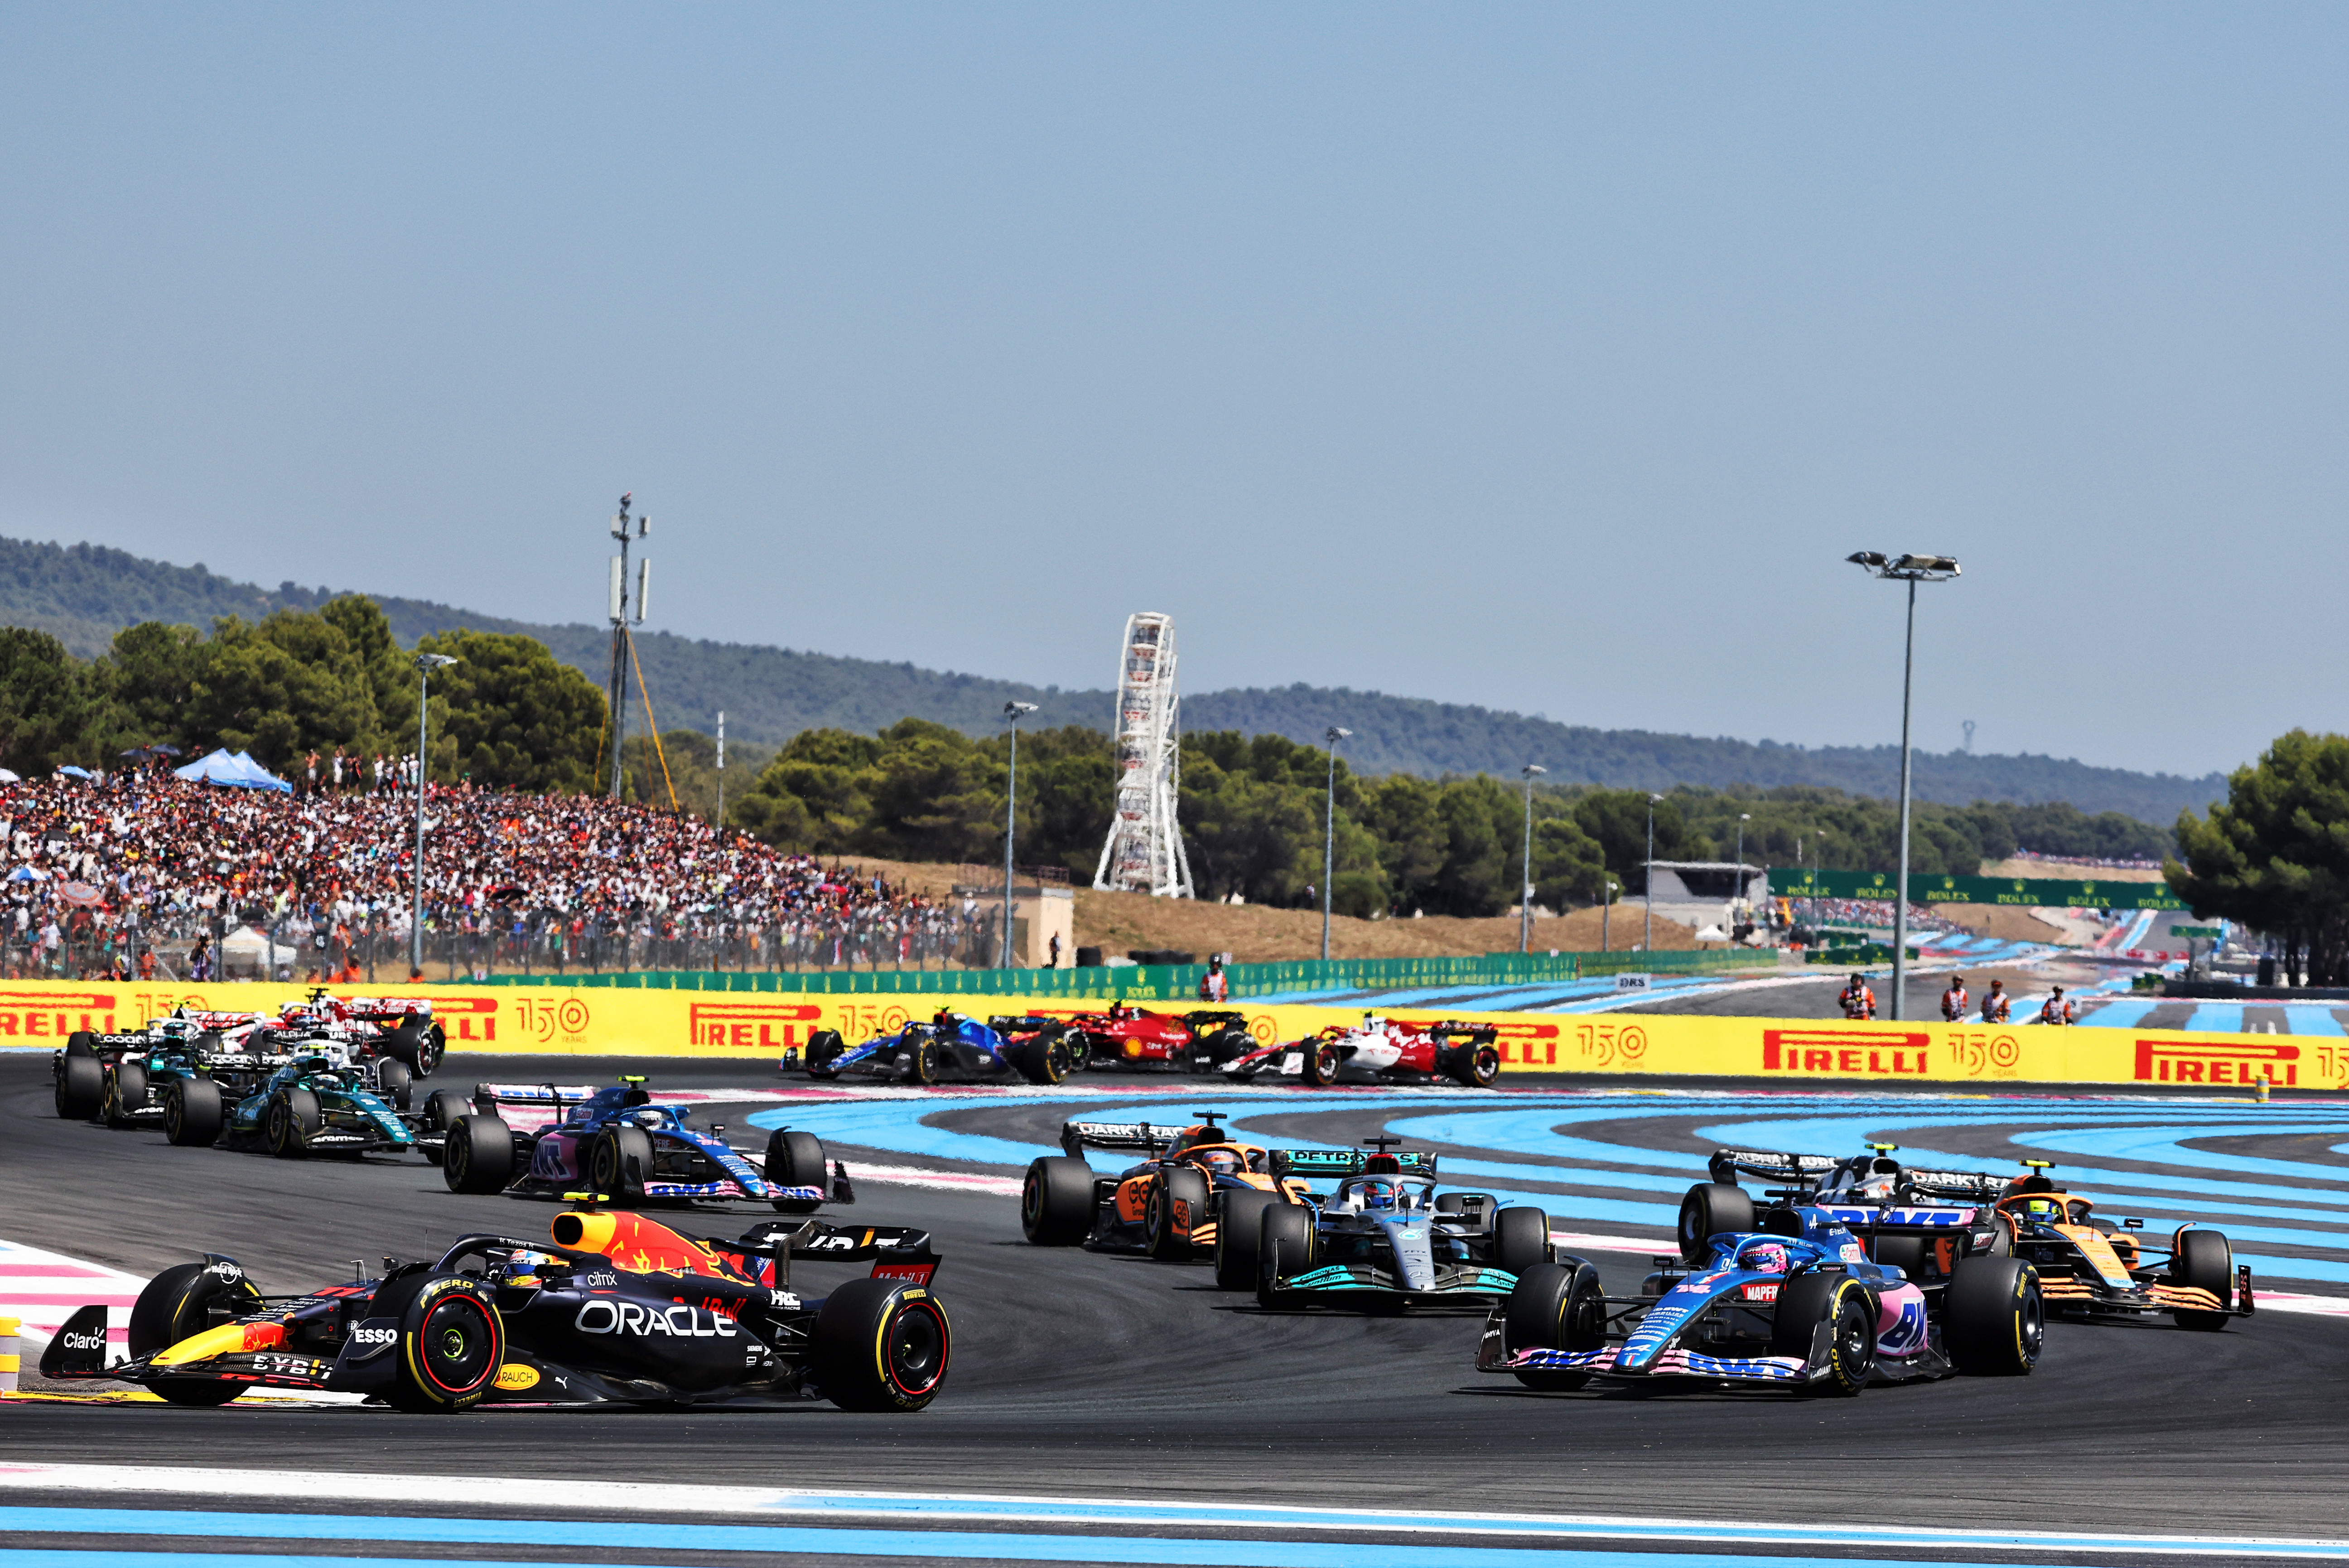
(255, 776)
(72, 771)
(238, 772)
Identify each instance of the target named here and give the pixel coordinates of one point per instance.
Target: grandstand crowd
(140, 874)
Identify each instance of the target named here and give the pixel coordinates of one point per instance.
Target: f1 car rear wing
(1796, 1171)
(379, 1007)
(1345, 1162)
(897, 1252)
(1954, 1186)
(1453, 1029)
(489, 1097)
(1146, 1137)
(1026, 1023)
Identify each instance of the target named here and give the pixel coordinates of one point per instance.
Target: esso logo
(373, 1335)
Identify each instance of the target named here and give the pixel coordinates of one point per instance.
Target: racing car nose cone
(1414, 1258)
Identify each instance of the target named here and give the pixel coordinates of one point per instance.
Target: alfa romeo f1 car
(1798, 1308)
(1381, 1051)
(397, 1028)
(949, 1048)
(1194, 1186)
(617, 1143)
(1129, 1036)
(1384, 1239)
(619, 1309)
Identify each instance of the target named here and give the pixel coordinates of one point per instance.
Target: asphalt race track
(1092, 1375)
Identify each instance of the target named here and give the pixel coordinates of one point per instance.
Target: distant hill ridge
(84, 593)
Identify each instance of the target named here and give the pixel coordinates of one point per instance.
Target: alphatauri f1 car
(1380, 1051)
(619, 1309)
(619, 1144)
(1193, 1187)
(1386, 1238)
(948, 1049)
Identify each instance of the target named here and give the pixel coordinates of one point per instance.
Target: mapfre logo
(752, 1025)
(2175, 1062)
(1845, 1053)
(1766, 1291)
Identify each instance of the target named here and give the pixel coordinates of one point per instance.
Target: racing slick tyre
(82, 1042)
(2002, 1238)
(1176, 1206)
(794, 1160)
(1992, 1317)
(1473, 1066)
(478, 1156)
(1081, 1051)
(880, 1344)
(442, 1107)
(394, 1082)
(1238, 1229)
(1555, 1306)
(1225, 1046)
(80, 1087)
(1056, 1202)
(921, 1063)
(1284, 1247)
(126, 1092)
(287, 1122)
(193, 1113)
(181, 1302)
(1042, 1060)
(451, 1342)
(1906, 1253)
(822, 1047)
(1809, 1299)
(405, 1045)
(1520, 1238)
(1321, 1062)
(1709, 1209)
(2204, 1259)
(619, 1164)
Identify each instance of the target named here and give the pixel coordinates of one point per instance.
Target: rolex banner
(2030, 893)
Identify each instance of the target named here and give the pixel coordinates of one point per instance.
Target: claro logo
(632, 1317)
(85, 1342)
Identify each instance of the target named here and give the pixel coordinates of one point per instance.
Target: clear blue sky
(1549, 358)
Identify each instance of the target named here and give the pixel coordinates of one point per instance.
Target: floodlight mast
(615, 691)
(1525, 887)
(1912, 569)
(1012, 714)
(1329, 834)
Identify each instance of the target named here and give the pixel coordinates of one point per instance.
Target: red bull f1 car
(618, 1308)
(1380, 1051)
(617, 1143)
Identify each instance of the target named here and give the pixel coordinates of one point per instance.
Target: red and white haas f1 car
(1383, 1051)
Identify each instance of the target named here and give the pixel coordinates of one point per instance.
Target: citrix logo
(632, 1317)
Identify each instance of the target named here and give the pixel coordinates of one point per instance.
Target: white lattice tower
(1144, 851)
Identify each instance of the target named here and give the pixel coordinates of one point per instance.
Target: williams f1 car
(1129, 1036)
(1798, 1307)
(1380, 1051)
(1193, 1187)
(1385, 1238)
(618, 1310)
(616, 1143)
(949, 1048)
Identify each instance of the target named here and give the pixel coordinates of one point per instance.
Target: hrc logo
(2173, 1061)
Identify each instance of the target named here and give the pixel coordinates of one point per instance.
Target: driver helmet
(522, 1268)
(1376, 1194)
(1763, 1256)
(2042, 1209)
(1119, 1009)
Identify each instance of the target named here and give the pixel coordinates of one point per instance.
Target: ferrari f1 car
(1193, 1187)
(619, 1144)
(1802, 1312)
(1129, 1036)
(1385, 1238)
(1913, 1217)
(1381, 1051)
(619, 1309)
(949, 1048)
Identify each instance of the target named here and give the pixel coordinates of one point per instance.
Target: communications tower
(1145, 850)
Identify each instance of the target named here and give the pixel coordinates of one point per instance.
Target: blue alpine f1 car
(617, 1144)
(1798, 1307)
(948, 1049)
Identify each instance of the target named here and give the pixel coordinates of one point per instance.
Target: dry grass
(2040, 871)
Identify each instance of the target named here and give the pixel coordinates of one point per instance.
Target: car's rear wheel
(1476, 1067)
(193, 1112)
(1808, 1300)
(1992, 1320)
(286, 1124)
(881, 1344)
(1285, 1237)
(1555, 1306)
(1711, 1209)
(1520, 1238)
(620, 1163)
(1056, 1202)
(2204, 1259)
(442, 1107)
(1041, 1060)
(181, 1302)
(478, 1156)
(822, 1047)
(395, 1083)
(794, 1160)
(80, 1087)
(1906, 1253)
(451, 1342)
(126, 1093)
(1177, 1203)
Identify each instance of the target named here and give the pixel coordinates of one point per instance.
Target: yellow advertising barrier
(758, 1026)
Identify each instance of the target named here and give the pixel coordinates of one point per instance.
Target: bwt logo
(753, 1025)
(46, 1015)
(2171, 1062)
(1844, 1054)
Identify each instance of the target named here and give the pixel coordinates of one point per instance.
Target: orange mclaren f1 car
(2099, 1268)
(1192, 1182)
